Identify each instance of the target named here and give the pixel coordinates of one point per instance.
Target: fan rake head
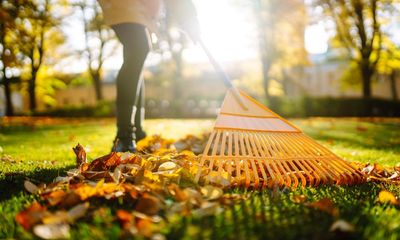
(257, 148)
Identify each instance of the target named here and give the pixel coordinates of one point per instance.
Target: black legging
(130, 86)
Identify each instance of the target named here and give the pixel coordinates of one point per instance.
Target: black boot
(124, 142)
(140, 134)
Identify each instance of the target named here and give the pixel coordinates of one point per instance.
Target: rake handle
(222, 73)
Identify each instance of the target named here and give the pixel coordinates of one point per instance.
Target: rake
(252, 146)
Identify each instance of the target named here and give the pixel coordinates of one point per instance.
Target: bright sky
(228, 31)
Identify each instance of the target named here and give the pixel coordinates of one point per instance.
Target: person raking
(132, 20)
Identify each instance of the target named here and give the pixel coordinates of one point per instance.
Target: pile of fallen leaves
(151, 186)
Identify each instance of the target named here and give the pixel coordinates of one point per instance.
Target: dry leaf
(52, 231)
(211, 193)
(148, 204)
(342, 226)
(387, 197)
(177, 192)
(299, 198)
(144, 227)
(107, 162)
(325, 205)
(167, 166)
(30, 187)
(55, 197)
(78, 211)
(80, 155)
(125, 218)
(31, 216)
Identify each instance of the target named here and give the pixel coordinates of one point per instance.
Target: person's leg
(135, 49)
(140, 113)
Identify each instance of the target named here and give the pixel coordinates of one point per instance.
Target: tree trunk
(32, 91)
(393, 85)
(366, 73)
(97, 86)
(7, 92)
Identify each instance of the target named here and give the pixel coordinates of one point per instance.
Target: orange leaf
(55, 197)
(124, 217)
(144, 227)
(32, 215)
(325, 205)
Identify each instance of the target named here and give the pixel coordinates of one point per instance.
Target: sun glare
(316, 39)
(228, 31)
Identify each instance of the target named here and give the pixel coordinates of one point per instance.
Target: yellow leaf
(211, 193)
(387, 197)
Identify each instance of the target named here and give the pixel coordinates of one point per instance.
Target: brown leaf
(97, 175)
(105, 163)
(80, 155)
(177, 192)
(325, 205)
(148, 204)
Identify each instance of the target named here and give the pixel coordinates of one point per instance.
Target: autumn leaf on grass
(342, 226)
(148, 204)
(325, 205)
(177, 193)
(55, 197)
(80, 155)
(125, 218)
(107, 162)
(211, 193)
(30, 187)
(387, 197)
(52, 231)
(31, 216)
(299, 198)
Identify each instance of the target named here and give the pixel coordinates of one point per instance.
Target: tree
(389, 65)
(10, 35)
(41, 31)
(358, 25)
(281, 25)
(97, 38)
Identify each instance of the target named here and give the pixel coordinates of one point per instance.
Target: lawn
(42, 149)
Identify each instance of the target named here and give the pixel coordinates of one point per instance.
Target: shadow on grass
(267, 216)
(13, 183)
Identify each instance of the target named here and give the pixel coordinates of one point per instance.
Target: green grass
(41, 152)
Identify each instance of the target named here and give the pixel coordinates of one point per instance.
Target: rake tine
(256, 148)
